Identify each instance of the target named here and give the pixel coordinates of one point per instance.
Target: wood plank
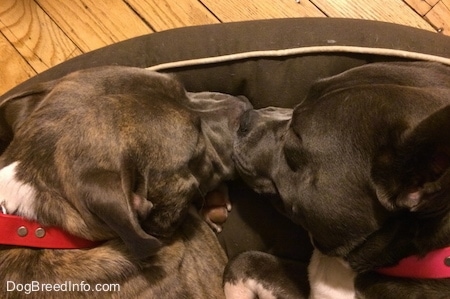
(168, 14)
(383, 10)
(439, 16)
(42, 46)
(432, 2)
(92, 24)
(15, 69)
(237, 10)
(420, 6)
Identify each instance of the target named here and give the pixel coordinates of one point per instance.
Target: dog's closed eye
(245, 123)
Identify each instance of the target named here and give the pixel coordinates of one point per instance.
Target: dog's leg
(247, 289)
(259, 275)
(330, 278)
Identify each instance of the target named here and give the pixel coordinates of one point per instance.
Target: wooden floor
(38, 34)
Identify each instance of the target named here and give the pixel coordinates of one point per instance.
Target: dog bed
(272, 62)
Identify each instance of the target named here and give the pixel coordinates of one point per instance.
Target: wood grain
(37, 34)
(168, 14)
(42, 46)
(383, 10)
(14, 67)
(432, 2)
(238, 10)
(420, 6)
(439, 16)
(92, 24)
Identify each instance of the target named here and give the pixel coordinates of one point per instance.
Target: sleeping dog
(98, 173)
(363, 164)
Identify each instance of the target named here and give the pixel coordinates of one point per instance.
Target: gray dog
(363, 164)
(111, 158)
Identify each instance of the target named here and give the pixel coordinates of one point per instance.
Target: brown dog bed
(272, 62)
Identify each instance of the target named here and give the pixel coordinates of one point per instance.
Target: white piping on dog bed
(299, 51)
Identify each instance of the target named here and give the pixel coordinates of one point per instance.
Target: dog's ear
(415, 174)
(16, 108)
(108, 196)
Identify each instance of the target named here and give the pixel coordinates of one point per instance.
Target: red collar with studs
(17, 231)
(434, 265)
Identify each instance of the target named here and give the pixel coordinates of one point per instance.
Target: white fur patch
(330, 277)
(248, 289)
(18, 197)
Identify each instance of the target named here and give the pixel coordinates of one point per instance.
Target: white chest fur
(330, 278)
(16, 196)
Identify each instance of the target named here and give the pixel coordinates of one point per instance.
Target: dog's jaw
(330, 277)
(15, 196)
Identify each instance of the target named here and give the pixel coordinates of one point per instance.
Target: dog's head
(365, 147)
(116, 151)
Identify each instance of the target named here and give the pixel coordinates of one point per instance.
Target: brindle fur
(118, 154)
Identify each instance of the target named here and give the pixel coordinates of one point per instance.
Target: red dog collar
(434, 265)
(14, 230)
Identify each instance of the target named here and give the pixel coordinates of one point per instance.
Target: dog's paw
(216, 207)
